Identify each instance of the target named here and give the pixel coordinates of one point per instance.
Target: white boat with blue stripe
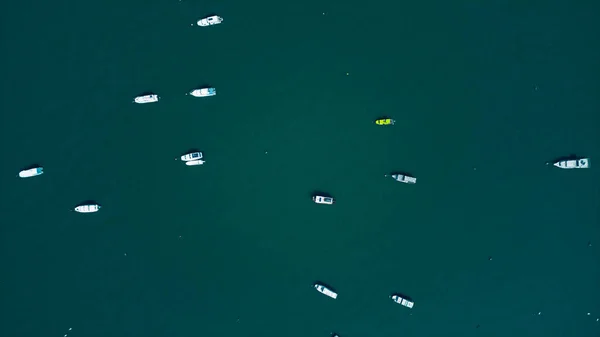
(203, 92)
(32, 172)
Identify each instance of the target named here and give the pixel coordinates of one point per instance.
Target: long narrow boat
(573, 163)
(91, 208)
(403, 178)
(32, 172)
(146, 99)
(325, 291)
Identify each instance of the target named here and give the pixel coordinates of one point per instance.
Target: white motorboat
(404, 178)
(32, 172)
(319, 199)
(573, 163)
(192, 156)
(146, 99)
(325, 291)
(194, 162)
(210, 21)
(204, 92)
(402, 301)
(91, 208)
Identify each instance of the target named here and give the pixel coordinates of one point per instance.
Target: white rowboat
(194, 162)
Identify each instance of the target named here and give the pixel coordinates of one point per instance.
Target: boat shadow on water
(203, 85)
(321, 193)
(146, 93)
(317, 282)
(29, 167)
(569, 157)
(403, 296)
(88, 202)
(400, 172)
(189, 151)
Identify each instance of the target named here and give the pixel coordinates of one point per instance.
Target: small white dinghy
(402, 301)
(204, 92)
(325, 291)
(194, 162)
(92, 208)
(210, 21)
(192, 156)
(404, 178)
(146, 99)
(32, 172)
(573, 163)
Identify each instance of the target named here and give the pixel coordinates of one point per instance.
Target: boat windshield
(195, 155)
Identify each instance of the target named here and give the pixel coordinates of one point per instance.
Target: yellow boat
(385, 121)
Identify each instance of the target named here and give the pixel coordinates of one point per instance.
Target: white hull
(204, 92)
(402, 301)
(404, 178)
(325, 291)
(146, 99)
(36, 171)
(192, 156)
(194, 162)
(87, 208)
(210, 21)
(573, 163)
(318, 199)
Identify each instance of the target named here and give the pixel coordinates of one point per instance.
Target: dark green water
(186, 251)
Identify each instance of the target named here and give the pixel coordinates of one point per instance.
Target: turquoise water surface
(483, 94)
